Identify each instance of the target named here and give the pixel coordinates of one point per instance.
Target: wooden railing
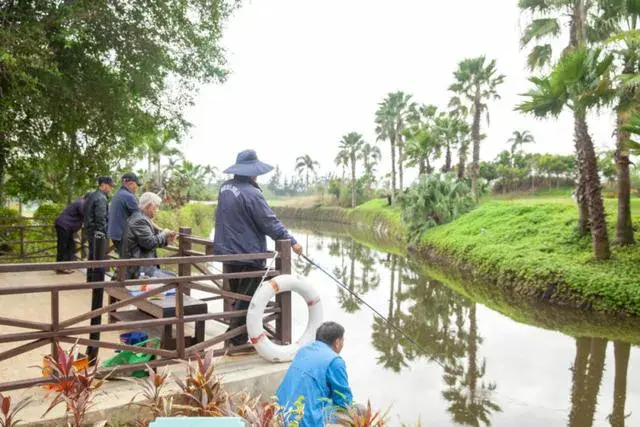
(216, 284)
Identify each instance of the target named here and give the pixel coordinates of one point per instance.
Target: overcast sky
(304, 73)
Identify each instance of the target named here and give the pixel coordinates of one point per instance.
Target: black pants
(246, 286)
(66, 245)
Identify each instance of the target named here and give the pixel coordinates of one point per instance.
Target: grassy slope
(532, 243)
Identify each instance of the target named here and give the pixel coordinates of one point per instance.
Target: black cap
(105, 180)
(130, 176)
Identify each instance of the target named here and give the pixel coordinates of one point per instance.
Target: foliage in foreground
(534, 244)
(434, 200)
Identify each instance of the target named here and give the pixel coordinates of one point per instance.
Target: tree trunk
(624, 227)
(400, 166)
(149, 165)
(393, 172)
(475, 135)
(462, 161)
(422, 168)
(447, 159)
(579, 369)
(621, 352)
(4, 153)
(589, 170)
(159, 172)
(472, 345)
(353, 182)
(594, 378)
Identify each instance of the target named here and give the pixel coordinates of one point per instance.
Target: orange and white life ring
(284, 283)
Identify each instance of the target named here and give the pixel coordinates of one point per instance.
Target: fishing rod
(387, 321)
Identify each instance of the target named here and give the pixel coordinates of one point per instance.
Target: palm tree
(370, 156)
(422, 138)
(305, 164)
(476, 82)
(159, 147)
(452, 130)
(622, 16)
(350, 148)
(579, 81)
(519, 139)
(546, 24)
(391, 119)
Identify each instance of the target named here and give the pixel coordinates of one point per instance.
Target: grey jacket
(140, 240)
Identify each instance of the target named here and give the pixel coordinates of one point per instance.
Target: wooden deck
(37, 308)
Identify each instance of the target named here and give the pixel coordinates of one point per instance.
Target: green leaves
(539, 29)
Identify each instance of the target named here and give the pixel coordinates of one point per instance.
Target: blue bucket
(133, 338)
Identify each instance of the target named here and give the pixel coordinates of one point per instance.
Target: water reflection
(447, 327)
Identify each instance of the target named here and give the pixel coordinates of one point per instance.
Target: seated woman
(141, 239)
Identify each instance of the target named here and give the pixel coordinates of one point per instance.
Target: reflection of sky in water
(531, 367)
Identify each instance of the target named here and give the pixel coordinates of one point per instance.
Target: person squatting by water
(319, 375)
(243, 220)
(68, 223)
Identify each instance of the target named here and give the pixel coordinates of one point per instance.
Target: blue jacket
(123, 204)
(244, 219)
(319, 375)
(72, 217)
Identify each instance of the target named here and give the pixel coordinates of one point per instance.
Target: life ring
(284, 283)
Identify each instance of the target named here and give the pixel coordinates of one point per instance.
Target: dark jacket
(140, 240)
(123, 204)
(244, 219)
(72, 217)
(96, 212)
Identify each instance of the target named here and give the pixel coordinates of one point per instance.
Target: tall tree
(622, 16)
(350, 148)
(518, 139)
(476, 82)
(306, 165)
(391, 118)
(453, 130)
(79, 80)
(370, 156)
(423, 139)
(158, 148)
(579, 81)
(547, 19)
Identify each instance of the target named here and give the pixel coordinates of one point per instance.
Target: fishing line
(387, 321)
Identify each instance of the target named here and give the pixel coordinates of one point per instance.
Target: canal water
(475, 366)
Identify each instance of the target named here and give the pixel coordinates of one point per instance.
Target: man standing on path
(319, 375)
(243, 220)
(123, 205)
(96, 213)
(67, 224)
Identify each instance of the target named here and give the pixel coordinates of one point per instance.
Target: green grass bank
(525, 247)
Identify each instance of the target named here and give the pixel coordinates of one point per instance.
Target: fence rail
(214, 285)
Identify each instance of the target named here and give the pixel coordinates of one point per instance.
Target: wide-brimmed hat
(247, 164)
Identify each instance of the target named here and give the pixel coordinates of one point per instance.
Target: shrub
(48, 210)
(434, 200)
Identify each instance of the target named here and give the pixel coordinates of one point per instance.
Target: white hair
(148, 199)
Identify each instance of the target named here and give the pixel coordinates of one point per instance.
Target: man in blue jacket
(67, 224)
(319, 375)
(243, 220)
(123, 204)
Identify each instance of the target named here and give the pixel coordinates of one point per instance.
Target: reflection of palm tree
(385, 338)
(587, 375)
(301, 265)
(347, 300)
(621, 351)
(469, 405)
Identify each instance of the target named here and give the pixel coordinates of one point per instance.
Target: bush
(434, 200)
(48, 210)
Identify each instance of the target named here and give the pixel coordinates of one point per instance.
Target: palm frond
(539, 29)
(539, 56)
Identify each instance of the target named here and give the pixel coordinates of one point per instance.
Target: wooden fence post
(100, 245)
(55, 320)
(184, 246)
(283, 299)
(22, 254)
